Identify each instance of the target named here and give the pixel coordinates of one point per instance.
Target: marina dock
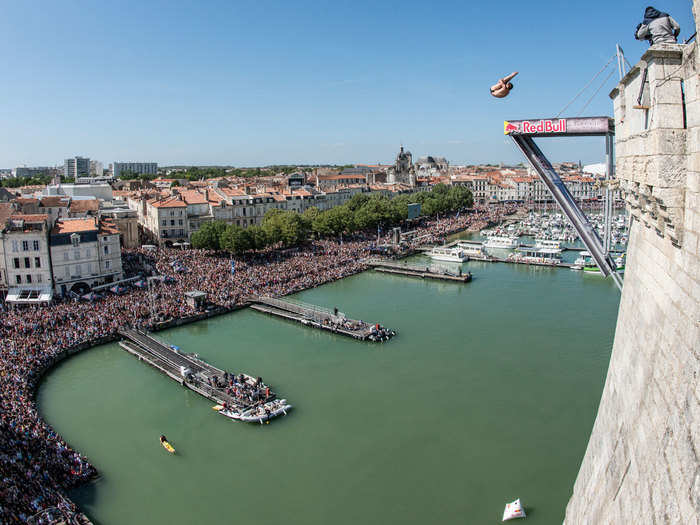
(187, 369)
(322, 318)
(415, 270)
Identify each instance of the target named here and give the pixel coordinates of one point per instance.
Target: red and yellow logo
(508, 127)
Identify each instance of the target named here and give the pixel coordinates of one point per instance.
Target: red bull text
(535, 126)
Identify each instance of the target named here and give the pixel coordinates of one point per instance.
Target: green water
(487, 394)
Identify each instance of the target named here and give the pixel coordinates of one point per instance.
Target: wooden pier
(186, 369)
(415, 270)
(319, 317)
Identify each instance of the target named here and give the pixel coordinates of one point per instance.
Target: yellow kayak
(217, 407)
(167, 446)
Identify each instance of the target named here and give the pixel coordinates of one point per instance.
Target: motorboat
(502, 242)
(513, 510)
(454, 254)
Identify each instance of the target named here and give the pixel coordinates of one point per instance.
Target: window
(172, 213)
(15, 246)
(19, 279)
(76, 254)
(38, 278)
(29, 279)
(27, 263)
(172, 222)
(180, 222)
(37, 262)
(15, 262)
(25, 246)
(36, 245)
(165, 222)
(67, 272)
(65, 256)
(107, 264)
(106, 250)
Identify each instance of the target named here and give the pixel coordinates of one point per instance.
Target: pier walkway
(416, 270)
(187, 369)
(319, 317)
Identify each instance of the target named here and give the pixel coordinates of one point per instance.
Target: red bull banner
(558, 127)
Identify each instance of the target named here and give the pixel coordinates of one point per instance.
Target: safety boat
(166, 445)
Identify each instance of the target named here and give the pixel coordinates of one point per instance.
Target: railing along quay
(321, 318)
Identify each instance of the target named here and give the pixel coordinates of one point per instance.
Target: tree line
(361, 213)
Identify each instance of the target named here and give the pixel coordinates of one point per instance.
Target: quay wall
(642, 463)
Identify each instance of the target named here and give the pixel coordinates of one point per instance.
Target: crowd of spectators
(37, 466)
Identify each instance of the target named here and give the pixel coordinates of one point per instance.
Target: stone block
(692, 112)
(693, 178)
(669, 197)
(665, 171)
(666, 116)
(667, 91)
(666, 142)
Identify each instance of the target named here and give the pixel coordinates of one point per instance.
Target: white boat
(551, 256)
(259, 414)
(472, 250)
(502, 242)
(548, 244)
(454, 254)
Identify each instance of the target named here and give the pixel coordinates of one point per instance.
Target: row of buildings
(52, 246)
(84, 169)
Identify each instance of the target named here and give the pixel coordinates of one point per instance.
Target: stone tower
(642, 464)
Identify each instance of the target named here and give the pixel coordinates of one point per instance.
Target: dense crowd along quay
(38, 465)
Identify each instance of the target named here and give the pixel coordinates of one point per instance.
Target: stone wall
(642, 464)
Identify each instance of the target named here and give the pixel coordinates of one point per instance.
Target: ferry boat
(454, 254)
(550, 256)
(471, 249)
(550, 244)
(588, 265)
(502, 242)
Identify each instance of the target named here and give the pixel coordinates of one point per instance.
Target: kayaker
(163, 438)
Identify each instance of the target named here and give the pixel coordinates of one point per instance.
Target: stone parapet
(655, 136)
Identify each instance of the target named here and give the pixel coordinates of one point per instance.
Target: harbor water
(487, 394)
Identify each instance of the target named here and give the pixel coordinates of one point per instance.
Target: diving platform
(523, 133)
(322, 318)
(192, 372)
(422, 272)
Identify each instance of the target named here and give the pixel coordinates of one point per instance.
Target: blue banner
(233, 267)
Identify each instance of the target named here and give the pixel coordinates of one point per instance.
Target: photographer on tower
(657, 28)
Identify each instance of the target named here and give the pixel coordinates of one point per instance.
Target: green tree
(236, 240)
(208, 236)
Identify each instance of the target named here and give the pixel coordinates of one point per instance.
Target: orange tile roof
(74, 225)
(6, 210)
(54, 201)
(107, 227)
(192, 197)
(36, 217)
(82, 206)
(169, 202)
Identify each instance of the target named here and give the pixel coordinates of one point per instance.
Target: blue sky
(255, 83)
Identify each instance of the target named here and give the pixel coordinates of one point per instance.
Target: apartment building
(85, 252)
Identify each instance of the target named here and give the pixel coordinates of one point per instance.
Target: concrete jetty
(187, 369)
(321, 318)
(416, 270)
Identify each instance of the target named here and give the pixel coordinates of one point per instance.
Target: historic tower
(642, 464)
